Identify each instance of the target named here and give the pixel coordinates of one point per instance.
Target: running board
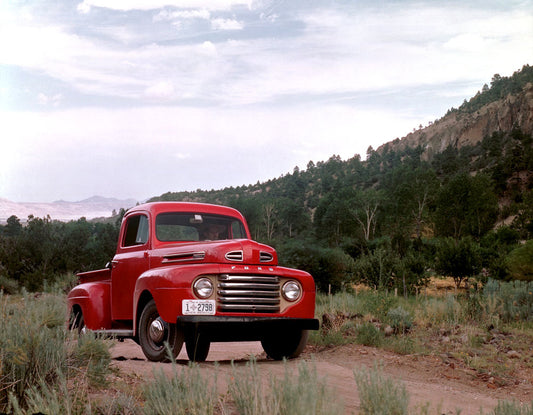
(114, 333)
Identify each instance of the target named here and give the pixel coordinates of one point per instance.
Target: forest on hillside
(390, 221)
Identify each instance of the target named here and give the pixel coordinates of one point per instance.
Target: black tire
(197, 348)
(154, 332)
(77, 322)
(285, 345)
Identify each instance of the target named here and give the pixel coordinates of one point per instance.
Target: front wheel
(197, 348)
(288, 345)
(154, 332)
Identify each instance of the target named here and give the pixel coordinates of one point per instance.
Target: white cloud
(84, 7)
(161, 90)
(53, 100)
(164, 15)
(226, 24)
(157, 4)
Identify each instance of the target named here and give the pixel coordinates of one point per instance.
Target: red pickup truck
(189, 272)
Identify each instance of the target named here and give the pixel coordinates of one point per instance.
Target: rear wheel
(154, 332)
(197, 348)
(77, 322)
(286, 345)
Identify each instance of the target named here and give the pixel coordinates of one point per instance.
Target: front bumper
(225, 329)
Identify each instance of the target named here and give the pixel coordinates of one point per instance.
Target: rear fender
(94, 300)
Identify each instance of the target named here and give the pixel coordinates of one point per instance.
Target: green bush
(368, 335)
(304, 393)
(519, 262)
(400, 320)
(378, 303)
(32, 343)
(379, 395)
(38, 358)
(513, 301)
(184, 392)
(512, 408)
(92, 352)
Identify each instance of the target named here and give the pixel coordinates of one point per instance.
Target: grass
(43, 369)
(303, 393)
(381, 395)
(38, 358)
(477, 328)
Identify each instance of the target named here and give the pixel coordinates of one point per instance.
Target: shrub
(380, 395)
(378, 303)
(400, 319)
(92, 352)
(35, 353)
(519, 263)
(512, 408)
(184, 392)
(304, 393)
(512, 301)
(368, 335)
(37, 362)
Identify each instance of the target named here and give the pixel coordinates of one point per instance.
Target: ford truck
(190, 273)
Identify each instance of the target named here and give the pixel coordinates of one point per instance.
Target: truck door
(130, 261)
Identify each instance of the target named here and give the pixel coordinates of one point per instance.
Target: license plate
(198, 307)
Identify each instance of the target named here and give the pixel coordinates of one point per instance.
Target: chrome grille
(248, 293)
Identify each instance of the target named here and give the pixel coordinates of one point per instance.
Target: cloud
(53, 100)
(161, 90)
(226, 24)
(166, 14)
(157, 4)
(334, 51)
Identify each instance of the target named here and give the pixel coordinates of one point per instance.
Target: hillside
(487, 133)
(468, 125)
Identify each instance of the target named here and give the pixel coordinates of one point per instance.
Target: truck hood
(236, 251)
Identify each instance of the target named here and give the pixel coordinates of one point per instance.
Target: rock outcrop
(460, 129)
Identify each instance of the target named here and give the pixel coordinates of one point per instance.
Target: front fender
(168, 286)
(94, 300)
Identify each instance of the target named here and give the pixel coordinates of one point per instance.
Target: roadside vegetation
(489, 330)
(44, 368)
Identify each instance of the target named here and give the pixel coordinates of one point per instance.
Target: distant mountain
(93, 207)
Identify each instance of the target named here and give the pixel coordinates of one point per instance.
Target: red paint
(148, 264)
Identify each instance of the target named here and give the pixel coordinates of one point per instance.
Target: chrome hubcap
(157, 330)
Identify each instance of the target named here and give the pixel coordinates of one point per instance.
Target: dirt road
(439, 381)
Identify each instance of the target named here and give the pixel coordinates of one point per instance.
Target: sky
(135, 98)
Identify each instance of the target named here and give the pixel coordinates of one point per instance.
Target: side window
(136, 231)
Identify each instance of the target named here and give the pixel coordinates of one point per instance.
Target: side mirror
(109, 265)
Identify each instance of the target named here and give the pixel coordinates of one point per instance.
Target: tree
(520, 262)
(364, 208)
(269, 219)
(377, 268)
(13, 227)
(466, 206)
(459, 259)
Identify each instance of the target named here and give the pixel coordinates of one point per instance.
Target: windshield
(180, 227)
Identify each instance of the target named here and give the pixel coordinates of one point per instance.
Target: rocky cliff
(460, 128)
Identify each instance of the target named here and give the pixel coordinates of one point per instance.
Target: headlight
(203, 287)
(291, 290)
